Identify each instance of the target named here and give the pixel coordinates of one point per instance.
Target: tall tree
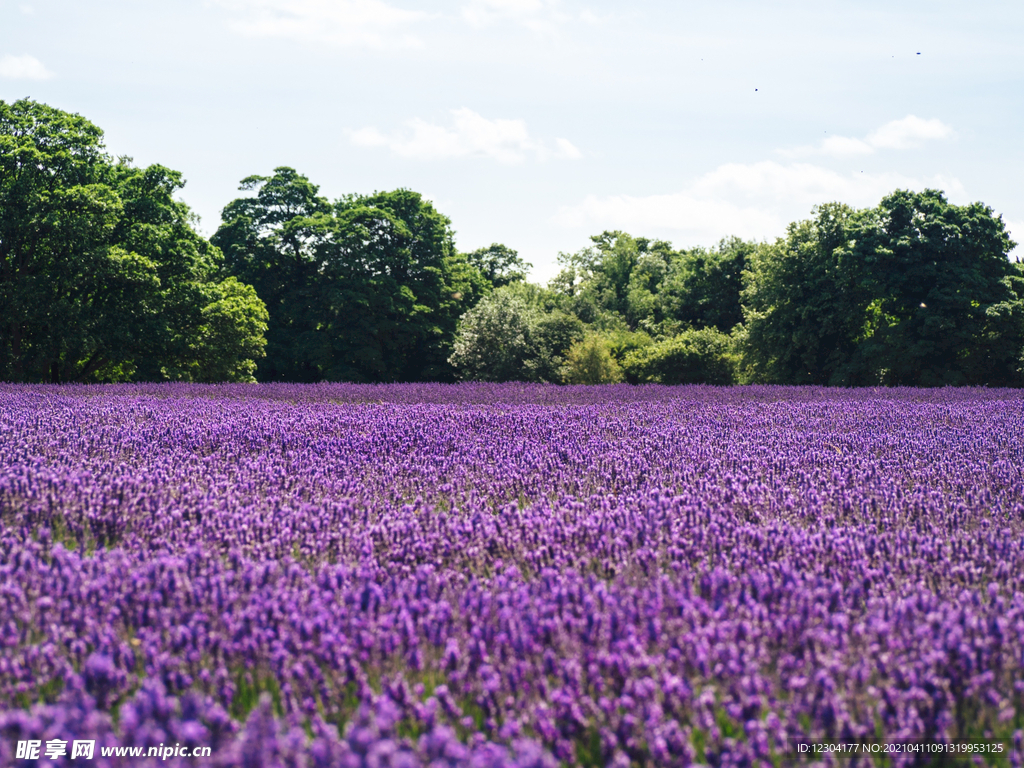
(702, 289)
(946, 302)
(804, 303)
(599, 280)
(913, 292)
(369, 288)
(499, 264)
(102, 276)
(271, 241)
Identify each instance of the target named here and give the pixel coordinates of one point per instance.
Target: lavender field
(512, 575)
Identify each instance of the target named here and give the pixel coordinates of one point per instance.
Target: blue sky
(537, 123)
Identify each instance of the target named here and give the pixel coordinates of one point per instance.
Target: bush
(494, 339)
(505, 338)
(623, 341)
(590, 361)
(554, 335)
(693, 357)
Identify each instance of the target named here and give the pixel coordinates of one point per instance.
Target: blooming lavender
(511, 575)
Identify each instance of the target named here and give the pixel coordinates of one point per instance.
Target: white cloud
(908, 133)
(842, 145)
(494, 8)
(590, 17)
(23, 68)
(567, 150)
(754, 200)
(472, 135)
(369, 23)
(541, 16)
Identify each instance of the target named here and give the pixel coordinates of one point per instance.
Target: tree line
(103, 277)
(912, 292)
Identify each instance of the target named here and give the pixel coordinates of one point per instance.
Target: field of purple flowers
(511, 575)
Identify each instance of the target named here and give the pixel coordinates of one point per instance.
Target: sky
(538, 123)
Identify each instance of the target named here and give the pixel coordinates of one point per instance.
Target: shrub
(590, 361)
(693, 357)
(493, 340)
(554, 334)
(505, 338)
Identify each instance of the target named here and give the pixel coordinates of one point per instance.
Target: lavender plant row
(511, 575)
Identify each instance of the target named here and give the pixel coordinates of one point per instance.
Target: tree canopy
(368, 288)
(915, 292)
(102, 275)
(803, 303)
(945, 301)
(499, 264)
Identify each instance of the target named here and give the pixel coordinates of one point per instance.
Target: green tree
(509, 336)
(599, 283)
(102, 276)
(225, 339)
(555, 333)
(270, 241)
(415, 286)
(623, 341)
(702, 289)
(208, 326)
(499, 264)
(804, 303)
(913, 292)
(367, 289)
(496, 339)
(946, 302)
(643, 289)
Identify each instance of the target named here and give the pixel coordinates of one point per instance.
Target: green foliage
(702, 356)
(946, 303)
(250, 684)
(367, 289)
(230, 337)
(914, 292)
(643, 289)
(702, 288)
(102, 276)
(393, 258)
(495, 339)
(590, 361)
(626, 282)
(599, 281)
(499, 264)
(270, 241)
(554, 334)
(506, 338)
(803, 303)
(622, 341)
(537, 296)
